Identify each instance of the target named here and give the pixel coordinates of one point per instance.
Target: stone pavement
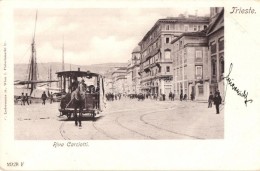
(124, 119)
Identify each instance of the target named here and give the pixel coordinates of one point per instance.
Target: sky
(90, 35)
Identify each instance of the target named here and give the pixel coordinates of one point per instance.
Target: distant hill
(21, 70)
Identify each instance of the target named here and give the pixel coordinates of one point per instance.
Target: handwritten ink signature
(244, 93)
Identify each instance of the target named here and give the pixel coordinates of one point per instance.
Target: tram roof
(77, 74)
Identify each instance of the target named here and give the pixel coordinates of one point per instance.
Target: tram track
(62, 131)
(131, 130)
(134, 131)
(141, 118)
(160, 128)
(138, 132)
(117, 121)
(102, 131)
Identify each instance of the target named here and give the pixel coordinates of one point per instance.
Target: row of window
(180, 88)
(181, 57)
(198, 72)
(155, 45)
(213, 45)
(156, 70)
(177, 27)
(185, 27)
(178, 60)
(214, 65)
(152, 60)
(151, 37)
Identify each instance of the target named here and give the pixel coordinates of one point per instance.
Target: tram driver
(82, 86)
(74, 85)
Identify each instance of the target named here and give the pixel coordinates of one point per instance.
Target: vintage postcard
(129, 85)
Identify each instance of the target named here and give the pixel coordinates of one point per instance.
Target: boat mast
(33, 64)
(50, 72)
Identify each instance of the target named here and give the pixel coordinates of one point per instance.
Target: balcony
(147, 77)
(198, 77)
(152, 53)
(163, 74)
(166, 60)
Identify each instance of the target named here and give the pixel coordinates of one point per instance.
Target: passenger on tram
(74, 85)
(82, 86)
(91, 89)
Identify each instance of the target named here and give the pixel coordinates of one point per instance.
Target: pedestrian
(217, 101)
(170, 96)
(155, 96)
(181, 96)
(185, 97)
(77, 101)
(44, 97)
(211, 98)
(22, 99)
(26, 99)
(173, 95)
(192, 96)
(51, 98)
(163, 95)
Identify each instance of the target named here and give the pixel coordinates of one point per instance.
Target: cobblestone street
(123, 120)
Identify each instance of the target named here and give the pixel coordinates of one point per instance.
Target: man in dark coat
(26, 98)
(192, 96)
(77, 102)
(173, 95)
(217, 101)
(181, 96)
(170, 96)
(22, 99)
(74, 84)
(44, 97)
(185, 97)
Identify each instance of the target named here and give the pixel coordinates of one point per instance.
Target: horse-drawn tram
(83, 90)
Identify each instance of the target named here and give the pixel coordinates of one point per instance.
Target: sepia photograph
(119, 74)
(129, 85)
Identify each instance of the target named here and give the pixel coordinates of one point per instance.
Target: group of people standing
(44, 97)
(216, 99)
(112, 96)
(25, 99)
(182, 97)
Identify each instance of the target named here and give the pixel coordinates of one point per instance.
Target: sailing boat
(31, 89)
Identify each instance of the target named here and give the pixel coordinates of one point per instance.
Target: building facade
(133, 68)
(215, 35)
(129, 75)
(136, 55)
(156, 59)
(119, 80)
(108, 84)
(191, 65)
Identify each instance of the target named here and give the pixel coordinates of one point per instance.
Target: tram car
(90, 87)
